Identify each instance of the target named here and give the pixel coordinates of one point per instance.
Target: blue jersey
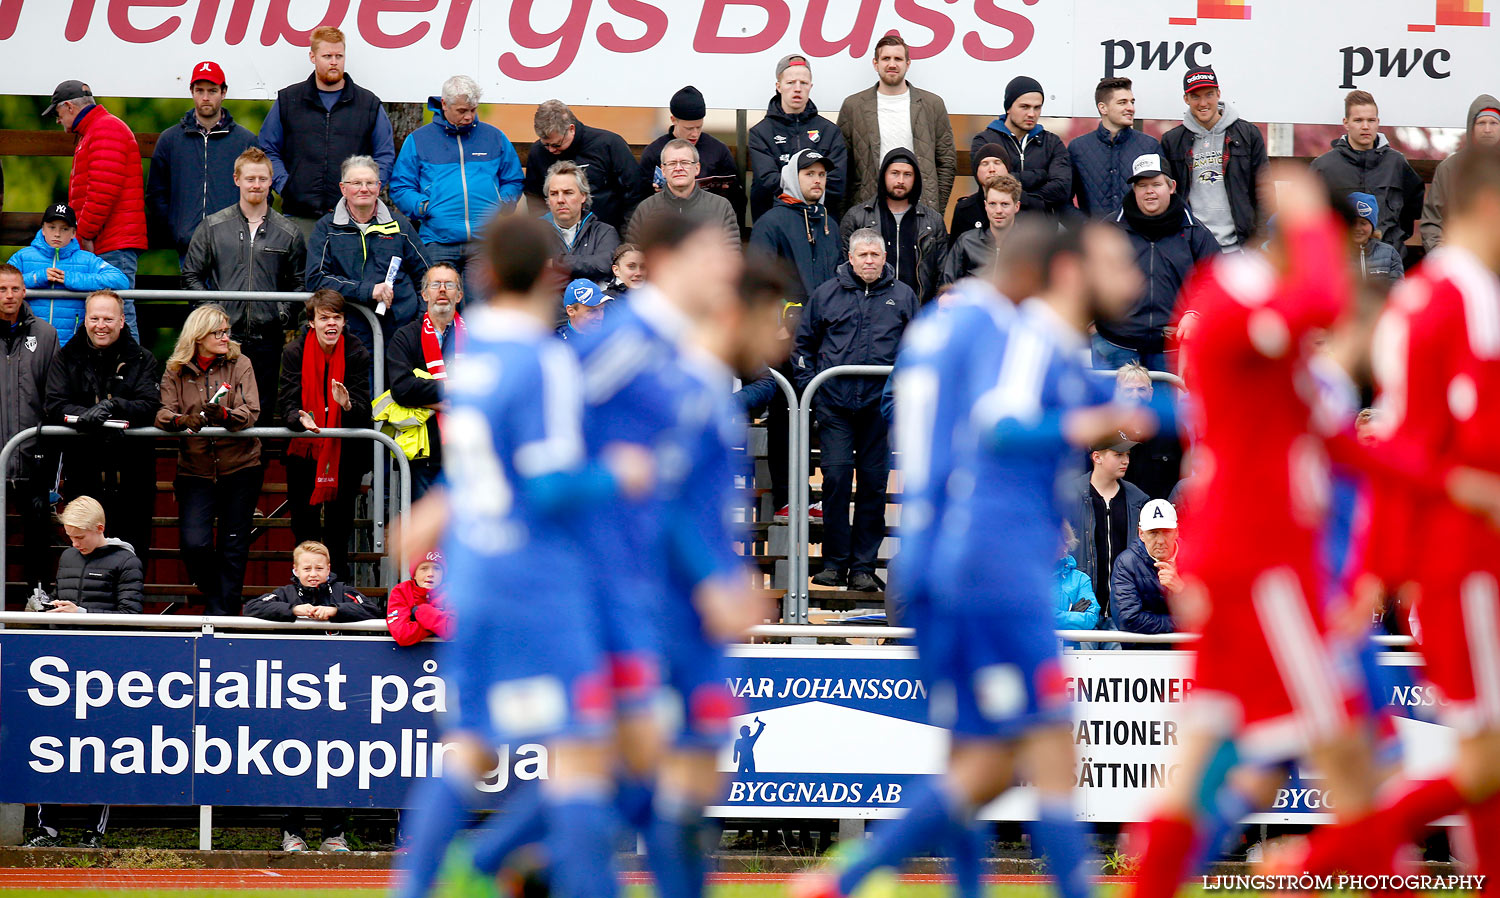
(1001, 529)
(929, 381)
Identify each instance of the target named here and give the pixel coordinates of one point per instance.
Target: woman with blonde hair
(209, 383)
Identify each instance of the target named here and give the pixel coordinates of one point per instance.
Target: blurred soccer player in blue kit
(527, 662)
(990, 404)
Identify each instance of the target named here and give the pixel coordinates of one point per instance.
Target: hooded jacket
(799, 232)
(614, 177)
(594, 244)
(192, 173)
(778, 137)
(450, 180)
(351, 605)
(29, 346)
(108, 580)
(849, 322)
(222, 256)
(1101, 163)
(1245, 149)
(187, 390)
(916, 250)
(934, 155)
(1039, 161)
(717, 171)
(105, 188)
(351, 261)
(82, 271)
(1381, 171)
(1436, 204)
(413, 613)
(1167, 248)
(1069, 587)
(1140, 605)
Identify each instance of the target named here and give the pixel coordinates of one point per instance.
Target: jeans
(1105, 623)
(126, 260)
(465, 258)
(217, 566)
(854, 440)
(1112, 356)
(330, 523)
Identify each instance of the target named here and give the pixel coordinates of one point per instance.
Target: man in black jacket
(614, 176)
(855, 319)
(192, 166)
(428, 345)
(797, 228)
(103, 374)
(1037, 157)
(1363, 161)
(717, 171)
(315, 125)
(792, 124)
(1216, 159)
(915, 238)
(250, 246)
(1106, 513)
(97, 575)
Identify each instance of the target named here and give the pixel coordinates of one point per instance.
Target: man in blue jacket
(1101, 158)
(1037, 157)
(855, 319)
(192, 167)
(1146, 574)
(454, 174)
(1169, 242)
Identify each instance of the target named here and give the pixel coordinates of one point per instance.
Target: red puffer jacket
(106, 188)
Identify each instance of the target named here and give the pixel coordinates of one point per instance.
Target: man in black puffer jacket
(791, 125)
(103, 374)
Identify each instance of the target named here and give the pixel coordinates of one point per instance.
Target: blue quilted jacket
(449, 181)
(82, 271)
(1101, 164)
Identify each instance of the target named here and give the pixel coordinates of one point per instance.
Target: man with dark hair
(792, 124)
(1216, 158)
(796, 228)
(717, 171)
(915, 239)
(1363, 161)
(192, 167)
(680, 163)
(1034, 156)
(1101, 159)
(614, 175)
(976, 250)
(314, 125)
(27, 347)
(894, 114)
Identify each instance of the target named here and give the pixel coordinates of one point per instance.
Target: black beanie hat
(990, 151)
(687, 104)
(1021, 84)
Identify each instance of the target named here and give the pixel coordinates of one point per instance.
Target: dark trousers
(330, 523)
(853, 440)
(49, 818)
(28, 496)
(424, 473)
(334, 821)
(778, 437)
(265, 360)
(122, 476)
(217, 566)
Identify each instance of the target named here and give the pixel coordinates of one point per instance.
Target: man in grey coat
(680, 164)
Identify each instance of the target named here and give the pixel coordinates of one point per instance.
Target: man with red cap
(192, 167)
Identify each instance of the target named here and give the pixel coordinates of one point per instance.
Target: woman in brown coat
(208, 383)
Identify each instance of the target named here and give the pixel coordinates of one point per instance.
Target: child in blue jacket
(55, 260)
(1074, 605)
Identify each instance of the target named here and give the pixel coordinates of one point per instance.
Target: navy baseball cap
(583, 291)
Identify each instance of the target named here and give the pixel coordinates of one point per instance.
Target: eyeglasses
(673, 166)
(219, 334)
(363, 185)
(443, 286)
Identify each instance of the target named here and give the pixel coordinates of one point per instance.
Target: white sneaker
(290, 842)
(334, 845)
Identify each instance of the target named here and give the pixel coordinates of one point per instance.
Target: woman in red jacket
(415, 609)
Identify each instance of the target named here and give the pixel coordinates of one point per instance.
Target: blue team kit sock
(1064, 842)
(634, 798)
(581, 843)
(932, 815)
(440, 808)
(966, 845)
(675, 847)
(521, 823)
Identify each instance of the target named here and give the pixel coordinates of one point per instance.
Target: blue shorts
(995, 670)
(631, 640)
(695, 696)
(528, 676)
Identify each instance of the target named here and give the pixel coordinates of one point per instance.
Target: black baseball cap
(1199, 78)
(68, 90)
(809, 158)
(60, 212)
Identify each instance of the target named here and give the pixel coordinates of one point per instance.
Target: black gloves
(97, 415)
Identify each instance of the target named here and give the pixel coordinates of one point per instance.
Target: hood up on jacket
(791, 185)
(342, 219)
(1481, 103)
(900, 154)
(1227, 117)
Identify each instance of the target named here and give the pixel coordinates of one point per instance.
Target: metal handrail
(794, 473)
(248, 433)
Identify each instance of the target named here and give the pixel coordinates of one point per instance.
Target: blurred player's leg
(523, 822)
(441, 806)
(966, 846)
(581, 822)
(1047, 756)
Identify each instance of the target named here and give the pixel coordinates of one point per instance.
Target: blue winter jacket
(192, 174)
(1070, 587)
(1101, 164)
(450, 181)
(82, 270)
(1135, 591)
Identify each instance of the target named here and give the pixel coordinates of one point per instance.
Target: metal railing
(220, 433)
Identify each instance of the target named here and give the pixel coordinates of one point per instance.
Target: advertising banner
(1278, 60)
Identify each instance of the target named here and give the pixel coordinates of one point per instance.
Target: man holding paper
(371, 257)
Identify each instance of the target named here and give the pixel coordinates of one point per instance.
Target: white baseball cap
(1158, 515)
(1147, 166)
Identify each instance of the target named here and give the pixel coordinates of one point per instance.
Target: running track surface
(53, 878)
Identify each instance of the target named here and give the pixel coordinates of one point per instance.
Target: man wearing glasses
(416, 364)
(679, 163)
(613, 173)
(369, 256)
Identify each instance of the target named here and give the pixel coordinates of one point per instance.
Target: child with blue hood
(54, 260)
(1378, 261)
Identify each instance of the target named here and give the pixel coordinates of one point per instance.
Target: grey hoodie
(1437, 194)
(791, 185)
(1209, 188)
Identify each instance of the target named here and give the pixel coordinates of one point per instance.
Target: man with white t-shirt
(894, 114)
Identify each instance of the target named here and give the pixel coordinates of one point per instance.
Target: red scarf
(319, 369)
(432, 353)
